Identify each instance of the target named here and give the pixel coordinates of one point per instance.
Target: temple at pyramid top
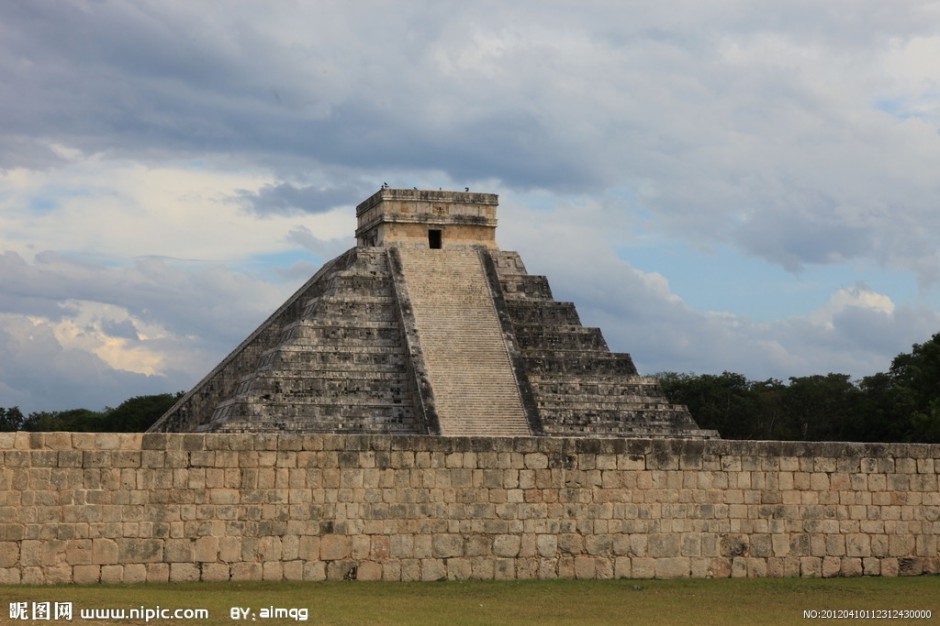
(426, 327)
(430, 219)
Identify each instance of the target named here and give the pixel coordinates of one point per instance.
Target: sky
(733, 185)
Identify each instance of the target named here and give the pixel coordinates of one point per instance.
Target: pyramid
(426, 327)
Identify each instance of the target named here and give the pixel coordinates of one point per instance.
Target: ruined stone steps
(338, 367)
(475, 391)
(577, 362)
(578, 385)
(525, 287)
(567, 338)
(343, 387)
(633, 403)
(348, 307)
(540, 313)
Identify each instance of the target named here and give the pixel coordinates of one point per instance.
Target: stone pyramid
(426, 327)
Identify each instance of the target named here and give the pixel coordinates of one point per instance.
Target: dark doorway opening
(434, 239)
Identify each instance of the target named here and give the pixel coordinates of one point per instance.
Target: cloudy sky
(734, 185)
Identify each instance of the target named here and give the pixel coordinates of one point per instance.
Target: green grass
(693, 602)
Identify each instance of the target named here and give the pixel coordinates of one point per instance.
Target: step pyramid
(426, 327)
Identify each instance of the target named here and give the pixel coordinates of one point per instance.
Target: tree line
(900, 405)
(131, 416)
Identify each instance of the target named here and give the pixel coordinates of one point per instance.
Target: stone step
(542, 314)
(525, 287)
(468, 364)
(577, 362)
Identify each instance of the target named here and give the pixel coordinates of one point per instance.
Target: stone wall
(86, 508)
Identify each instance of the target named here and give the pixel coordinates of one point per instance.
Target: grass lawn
(693, 602)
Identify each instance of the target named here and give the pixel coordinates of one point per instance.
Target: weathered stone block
(506, 545)
(112, 574)
(673, 567)
(158, 572)
(135, 573)
(446, 546)
(104, 551)
(86, 574)
(9, 553)
(335, 547)
(178, 551)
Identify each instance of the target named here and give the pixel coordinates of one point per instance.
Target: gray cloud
(37, 373)
(287, 199)
(798, 133)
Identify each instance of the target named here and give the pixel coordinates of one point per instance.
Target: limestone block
(60, 574)
(401, 546)
(206, 549)
(9, 553)
(871, 566)
(272, 570)
(134, 573)
(584, 567)
(889, 567)
(643, 567)
(831, 566)
(33, 576)
(504, 569)
(733, 545)
(672, 567)
(422, 545)
(112, 574)
(570, 543)
(459, 569)
(810, 567)
(158, 572)
(900, 545)
(858, 545)
(547, 545)
(314, 571)
(246, 571)
(905, 466)
(446, 546)
(178, 550)
(335, 547)
(11, 532)
(433, 569)
(506, 545)
(756, 568)
(851, 566)
(293, 570)
(410, 570)
(691, 544)
(86, 574)
(911, 566)
(105, 551)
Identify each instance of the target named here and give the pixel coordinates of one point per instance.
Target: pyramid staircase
(579, 386)
(468, 363)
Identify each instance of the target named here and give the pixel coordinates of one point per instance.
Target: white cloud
(844, 298)
(165, 164)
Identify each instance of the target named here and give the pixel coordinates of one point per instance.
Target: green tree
(723, 402)
(821, 408)
(73, 420)
(11, 419)
(133, 415)
(139, 413)
(916, 382)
